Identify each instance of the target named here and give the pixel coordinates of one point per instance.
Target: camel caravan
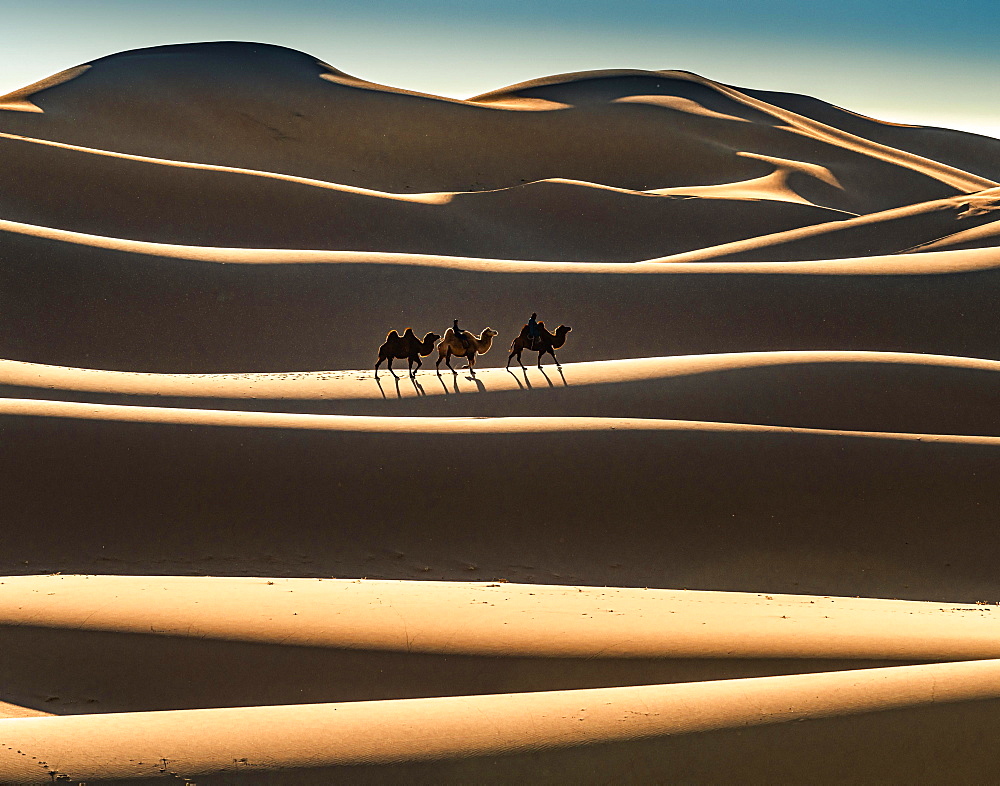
(460, 343)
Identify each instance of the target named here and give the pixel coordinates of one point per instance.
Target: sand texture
(743, 531)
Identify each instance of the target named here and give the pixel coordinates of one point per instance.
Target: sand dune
(735, 507)
(146, 307)
(351, 640)
(679, 556)
(960, 149)
(278, 107)
(511, 733)
(178, 202)
(892, 231)
(877, 391)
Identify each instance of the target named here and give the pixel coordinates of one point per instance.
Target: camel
(546, 342)
(406, 346)
(450, 345)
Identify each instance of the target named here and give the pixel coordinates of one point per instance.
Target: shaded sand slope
(972, 152)
(178, 202)
(308, 640)
(985, 236)
(875, 391)
(571, 500)
(586, 735)
(270, 108)
(888, 232)
(146, 307)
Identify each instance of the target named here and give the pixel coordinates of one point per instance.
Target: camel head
(431, 338)
(489, 333)
(562, 330)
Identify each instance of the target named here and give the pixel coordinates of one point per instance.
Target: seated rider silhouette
(460, 335)
(534, 334)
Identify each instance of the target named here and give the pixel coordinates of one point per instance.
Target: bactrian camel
(406, 346)
(451, 345)
(546, 342)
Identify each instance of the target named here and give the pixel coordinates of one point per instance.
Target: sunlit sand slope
(588, 735)
(308, 640)
(391, 639)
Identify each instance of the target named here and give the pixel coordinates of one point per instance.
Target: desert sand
(743, 531)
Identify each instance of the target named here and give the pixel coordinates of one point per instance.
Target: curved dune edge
(427, 198)
(189, 743)
(8, 710)
(931, 262)
(427, 425)
(360, 384)
(504, 619)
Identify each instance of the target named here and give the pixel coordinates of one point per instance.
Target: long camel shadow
(515, 379)
(380, 388)
(542, 371)
(418, 387)
(561, 375)
(444, 387)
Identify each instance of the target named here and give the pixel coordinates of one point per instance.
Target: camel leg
(377, 365)
(419, 363)
(437, 365)
(554, 358)
(447, 360)
(388, 365)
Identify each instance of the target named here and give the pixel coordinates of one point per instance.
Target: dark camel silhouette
(546, 342)
(451, 345)
(406, 346)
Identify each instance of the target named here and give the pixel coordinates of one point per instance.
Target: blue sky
(921, 61)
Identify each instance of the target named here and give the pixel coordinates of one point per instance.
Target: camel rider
(460, 335)
(533, 332)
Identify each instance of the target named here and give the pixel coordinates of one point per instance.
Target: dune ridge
(505, 620)
(195, 742)
(197, 204)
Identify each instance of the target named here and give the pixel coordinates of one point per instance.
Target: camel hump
(409, 332)
(391, 335)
